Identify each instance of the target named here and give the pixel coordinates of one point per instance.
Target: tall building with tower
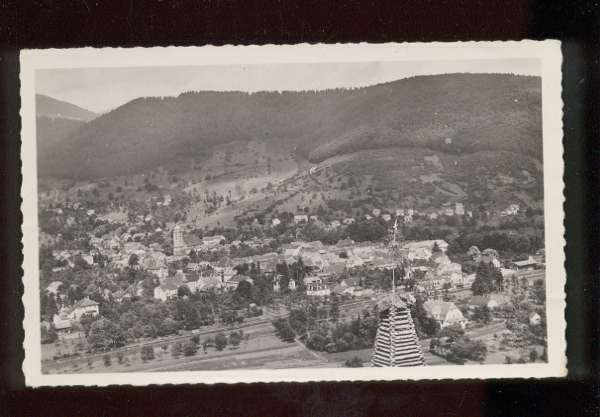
(396, 341)
(184, 243)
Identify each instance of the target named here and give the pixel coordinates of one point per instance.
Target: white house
(386, 217)
(376, 212)
(535, 319)
(62, 323)
(53, 287)
(511, 210)
(164, 292)
(459, 209)
(348, 220)
(275, 222)
(83, 307)
(445, 313)
(298, 218)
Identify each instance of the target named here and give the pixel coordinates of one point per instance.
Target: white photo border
(548, 52)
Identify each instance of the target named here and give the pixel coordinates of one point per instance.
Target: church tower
(178, 242)
(396, 342)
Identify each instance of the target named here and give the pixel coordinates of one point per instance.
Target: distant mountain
(55, 121)
(53, 108)
(454, 113)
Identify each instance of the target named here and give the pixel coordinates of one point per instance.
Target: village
(97, 294)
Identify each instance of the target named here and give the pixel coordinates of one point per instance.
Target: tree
(533, 355)
(105, 335)
(485, 279)
(147, 353)
(183, 291)
(453, 332)
(107, 361)
(482, 314)
(190, 348)
(335, 309)
(284, 330)
(220, 341)
(133, 260)
(120, 357)
(49, 334)
(465, 349)
(244, 291)
(318, 342)
(235, 339)
(176, 350)
(538, 292)
(355, 362)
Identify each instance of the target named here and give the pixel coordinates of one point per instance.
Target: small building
(82, 307)
(445, 313)
(213, 241)
(348, 221)
(275, 221)
(492, 301)
(459, 209)
(62, 324)
(300, 218)
(318, 290)
(168, 287)
(235, 281)
(449, 212)
(386, 217)
(535, 319)
(53, 287)
(526, 265)
(376, 212)
(335, 224)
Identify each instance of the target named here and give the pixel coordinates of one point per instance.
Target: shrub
(147, 353)
(235, 339)
(355, 362)
(190, 348)
(176, 350)
(220, 341)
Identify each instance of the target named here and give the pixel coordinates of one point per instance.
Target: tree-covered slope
(455, 113)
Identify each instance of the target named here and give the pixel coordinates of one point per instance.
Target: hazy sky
(103, 89)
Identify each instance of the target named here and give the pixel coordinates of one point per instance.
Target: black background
(70, 23)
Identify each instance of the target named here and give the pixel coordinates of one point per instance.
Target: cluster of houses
(63, 320)
(405, 215)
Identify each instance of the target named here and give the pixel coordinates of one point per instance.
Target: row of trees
(456, 347)
(329, 336)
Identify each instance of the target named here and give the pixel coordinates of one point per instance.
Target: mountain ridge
(51, 107)
(454, 113)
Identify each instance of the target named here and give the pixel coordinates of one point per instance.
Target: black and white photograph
(293, 213)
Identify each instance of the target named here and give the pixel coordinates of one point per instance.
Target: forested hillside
(456, 114)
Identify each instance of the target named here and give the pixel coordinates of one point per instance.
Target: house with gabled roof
(85, 306)
(445, 313)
